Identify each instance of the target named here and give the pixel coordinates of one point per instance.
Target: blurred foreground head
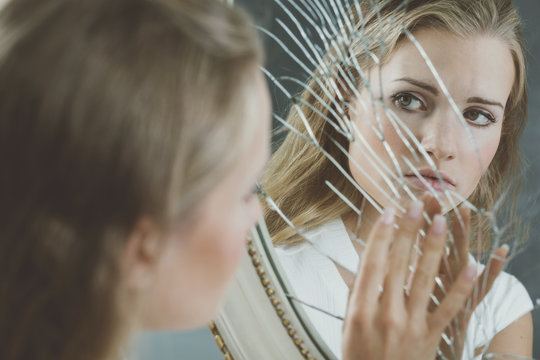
(112, 111)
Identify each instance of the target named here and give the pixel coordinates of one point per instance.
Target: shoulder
(308, 267)
(316, 238)
(325, 243)
(304, 257)
(507, 301)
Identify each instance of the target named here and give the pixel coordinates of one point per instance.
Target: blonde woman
(379, 109)
(132, 133)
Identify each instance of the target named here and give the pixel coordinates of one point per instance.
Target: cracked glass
(376, 104)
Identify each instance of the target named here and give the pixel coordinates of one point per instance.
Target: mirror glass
(377, 103)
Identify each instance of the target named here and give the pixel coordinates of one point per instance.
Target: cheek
(367, 152)
(226, 243)
(487, 152)
(368, 142)
(202, 270)
(230, 248)
(223, 245)
(487, 145)
(198, 265)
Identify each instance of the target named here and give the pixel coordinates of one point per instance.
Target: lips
(429, 176)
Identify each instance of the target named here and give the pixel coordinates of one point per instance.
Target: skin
(182, 280)
(389, 324)
(182, 277)
(425, 110)
(410, 90)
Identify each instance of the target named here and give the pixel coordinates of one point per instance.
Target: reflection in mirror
(404, 98)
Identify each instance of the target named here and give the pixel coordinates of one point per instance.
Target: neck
(361, 230)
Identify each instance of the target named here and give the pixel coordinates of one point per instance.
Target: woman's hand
(390, 324)
(450, 267)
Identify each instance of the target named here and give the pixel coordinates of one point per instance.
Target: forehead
(471, 66)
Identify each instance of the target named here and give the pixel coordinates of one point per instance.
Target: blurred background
(200, 345)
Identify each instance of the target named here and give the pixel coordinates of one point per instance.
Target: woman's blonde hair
(112, 110)
(297, 171)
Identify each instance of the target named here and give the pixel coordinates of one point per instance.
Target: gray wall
(526, 265)
(182, 345)
(200, 345)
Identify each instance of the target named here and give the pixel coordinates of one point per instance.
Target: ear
(141, 254)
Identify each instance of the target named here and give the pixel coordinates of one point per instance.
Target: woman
(377, 108)
(124, 202)
(132, 133)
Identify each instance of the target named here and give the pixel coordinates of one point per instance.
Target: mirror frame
(257, 319)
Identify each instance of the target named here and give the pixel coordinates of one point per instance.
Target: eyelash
(254, 191)
(490, 118)
(396, 98)
(399, 96)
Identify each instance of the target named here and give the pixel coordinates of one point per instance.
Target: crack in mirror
(377, 103)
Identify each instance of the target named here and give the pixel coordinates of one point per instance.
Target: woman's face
(199, 261)
(477, 71)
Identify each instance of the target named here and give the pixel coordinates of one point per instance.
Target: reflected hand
(388, 324)
(449, 269)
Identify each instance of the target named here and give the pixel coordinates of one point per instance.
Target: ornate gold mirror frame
(257, 320)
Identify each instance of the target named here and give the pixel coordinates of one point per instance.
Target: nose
(439, 136)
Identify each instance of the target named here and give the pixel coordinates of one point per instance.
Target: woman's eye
(408, 102)
(479, 117)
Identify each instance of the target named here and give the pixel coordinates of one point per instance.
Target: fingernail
(388, 216)
(415, 209)
(470, 272)
(500, 253)
(439, 223)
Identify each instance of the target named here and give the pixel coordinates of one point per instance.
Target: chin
(191, 317)
(193, 322)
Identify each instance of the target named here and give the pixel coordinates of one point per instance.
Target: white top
(316, 280)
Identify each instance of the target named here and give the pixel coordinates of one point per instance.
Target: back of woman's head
(111, 110)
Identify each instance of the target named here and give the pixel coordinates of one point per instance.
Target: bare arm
(515, 339)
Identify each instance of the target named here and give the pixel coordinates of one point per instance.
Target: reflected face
(477, 71)
(199, 261)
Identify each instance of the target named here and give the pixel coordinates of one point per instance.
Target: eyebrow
(480, 100)
(432, 89)
(435, 91)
